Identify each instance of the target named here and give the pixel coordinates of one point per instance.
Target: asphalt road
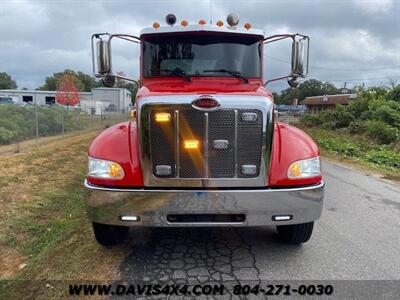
(357, 238)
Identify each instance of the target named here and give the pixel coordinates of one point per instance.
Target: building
(316, 104)
(97, 101)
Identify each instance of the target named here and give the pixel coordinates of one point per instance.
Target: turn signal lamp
(220, 23)
(156, 25)
(305, 168)
(202, 22)
(247, 26)
(115, 170)
(162, 117)
(184, 23)
(191, 144)
(295, 170)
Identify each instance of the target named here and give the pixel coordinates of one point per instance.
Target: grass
(358, 149)
(45, 236)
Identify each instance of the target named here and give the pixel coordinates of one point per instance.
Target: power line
(361, 79)
(337, 69)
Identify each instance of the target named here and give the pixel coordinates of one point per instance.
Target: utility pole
(344, 89)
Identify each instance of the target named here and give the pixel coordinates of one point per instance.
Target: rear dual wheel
(110, 235)
(295, 234)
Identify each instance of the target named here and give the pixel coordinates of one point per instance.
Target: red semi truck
(204, 148)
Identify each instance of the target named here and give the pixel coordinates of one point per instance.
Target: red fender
(289, 145)
(119, 143)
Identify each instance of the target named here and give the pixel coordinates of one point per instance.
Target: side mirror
(102, 60)
(300, 57)
(299, 65)
(103, 57)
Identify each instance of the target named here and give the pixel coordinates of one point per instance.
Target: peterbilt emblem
(205, 103)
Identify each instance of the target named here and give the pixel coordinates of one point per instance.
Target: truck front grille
(229, 143)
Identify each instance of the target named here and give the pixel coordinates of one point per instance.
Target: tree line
(83, 82)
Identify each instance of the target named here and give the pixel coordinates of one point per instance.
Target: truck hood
(220, 85)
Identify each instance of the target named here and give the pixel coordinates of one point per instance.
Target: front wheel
(110, 235)
(295, 234)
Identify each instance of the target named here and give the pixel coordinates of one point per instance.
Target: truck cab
(204, 148)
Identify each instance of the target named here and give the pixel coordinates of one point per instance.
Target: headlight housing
(105, 169)
(305, 168)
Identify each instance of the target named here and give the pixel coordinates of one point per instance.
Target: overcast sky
(355, 41)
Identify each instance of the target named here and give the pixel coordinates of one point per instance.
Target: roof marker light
(184, 23)
(247, 26)
(156, 25)
(202, 22)
(220, 23)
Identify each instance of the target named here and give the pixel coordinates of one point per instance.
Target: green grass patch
(358, 148)
(53, 216)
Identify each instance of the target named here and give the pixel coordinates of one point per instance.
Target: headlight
(305, 168)
(105, 169)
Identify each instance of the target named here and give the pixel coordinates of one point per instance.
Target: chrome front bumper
(108, 205)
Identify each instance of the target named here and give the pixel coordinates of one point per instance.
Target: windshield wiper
(177, 72)
(236, 74)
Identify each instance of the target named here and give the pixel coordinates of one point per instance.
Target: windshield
(201, 55)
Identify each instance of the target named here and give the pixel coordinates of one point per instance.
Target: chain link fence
(33, 125)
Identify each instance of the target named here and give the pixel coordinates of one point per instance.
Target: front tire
(110, 235)
(295, 234)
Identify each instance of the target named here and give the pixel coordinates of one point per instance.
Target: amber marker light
(184, 23)
(191, 144)
(115, 170)
(202, 22)
(156, 25)
(162, 117)
(247, 26)
(305, 168)
(220, 23)
(295, 170)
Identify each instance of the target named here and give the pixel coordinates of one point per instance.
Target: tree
(67, 93)
(6, 82)
(275, 96)
(394, 94)
(82, 81)
(311, 87)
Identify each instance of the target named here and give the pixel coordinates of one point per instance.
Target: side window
(50, 100)
(27, 99)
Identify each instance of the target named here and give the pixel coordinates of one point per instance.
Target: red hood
(210, 85)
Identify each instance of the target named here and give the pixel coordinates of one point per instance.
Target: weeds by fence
(21, 123)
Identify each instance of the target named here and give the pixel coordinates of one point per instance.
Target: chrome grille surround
(231, 103)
